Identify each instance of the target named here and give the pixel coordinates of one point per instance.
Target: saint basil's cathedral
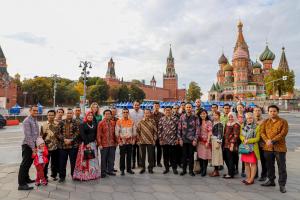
(244, 78)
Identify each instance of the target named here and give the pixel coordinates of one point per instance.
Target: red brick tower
(8, 88)
(110, 76)
(170, 80)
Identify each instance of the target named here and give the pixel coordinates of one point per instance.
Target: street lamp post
(25, 95)
(84, 65)
(55, 76)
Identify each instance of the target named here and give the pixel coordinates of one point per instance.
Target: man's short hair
(156, 102)
(147, 109)
(214, 104)
(125, 109)
(76, 107)
(182, 103)
(226, 104)
(51, 111)
(256, 106)
(32, 106)
(107, 110)
(69, 109)
(60, 109)
(273, 106)
(168, 107)
(136, 101)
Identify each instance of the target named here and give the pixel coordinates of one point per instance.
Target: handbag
(88, 154)
(245, 148)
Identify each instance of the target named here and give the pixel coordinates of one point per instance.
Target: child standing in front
(40, 159)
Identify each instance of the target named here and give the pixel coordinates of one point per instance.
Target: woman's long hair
(98, 108)
(199, 116)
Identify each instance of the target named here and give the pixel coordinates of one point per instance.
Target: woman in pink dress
(204, 145)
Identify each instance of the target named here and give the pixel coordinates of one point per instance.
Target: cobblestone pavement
(146, 186)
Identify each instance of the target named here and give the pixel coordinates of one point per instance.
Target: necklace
(90, 125)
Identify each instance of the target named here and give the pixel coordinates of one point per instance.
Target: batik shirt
(146, 132)
(50, 134)
(69, 129)
(187, 128)
(167, 130)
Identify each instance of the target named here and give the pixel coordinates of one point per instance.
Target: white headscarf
(234, 119)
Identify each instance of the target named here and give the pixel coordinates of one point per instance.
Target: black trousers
(25, 165)
(187, 157)
(157, 153)
(107, 159)
(54, 159)
(280, 157)
(229, 160)
(64, 154)
(178, 153)
(169, 153)
(150, 154)
(135, 155)
(263, 163)
(125, 153)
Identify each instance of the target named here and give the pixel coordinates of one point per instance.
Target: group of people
(175, 135)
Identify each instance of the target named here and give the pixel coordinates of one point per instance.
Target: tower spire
(240, 42)
(283, 64)
(110, 73)
(3, 64)
(170, 52)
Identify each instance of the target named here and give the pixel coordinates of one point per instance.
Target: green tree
(99, 92)
(39, 90)
(194, 91)
(136, 93)
(280, 86)
(123, 93)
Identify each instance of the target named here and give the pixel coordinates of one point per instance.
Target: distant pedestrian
(40, 156)
(31, 133)
(95, 109)
(157, 115)
(273, 132)
(77, 115)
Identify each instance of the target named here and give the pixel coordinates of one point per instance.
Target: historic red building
(8, 88)
(243, 78)
(169, 91)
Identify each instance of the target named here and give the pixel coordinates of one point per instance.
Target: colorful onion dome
(240, 54)
(228, 67)
(267, 55)
(222, 59)
(256, 65)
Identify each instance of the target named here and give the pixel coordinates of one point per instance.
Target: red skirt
(249, 158)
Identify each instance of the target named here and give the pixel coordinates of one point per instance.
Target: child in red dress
(40, 159)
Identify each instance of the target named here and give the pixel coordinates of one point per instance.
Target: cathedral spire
(283, 64)
(240, 42)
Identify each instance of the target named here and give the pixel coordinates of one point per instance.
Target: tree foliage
(99, 92)
(136, 93)
(194, 91)
(280, 86)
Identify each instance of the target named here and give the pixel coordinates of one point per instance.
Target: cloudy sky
(43, 37)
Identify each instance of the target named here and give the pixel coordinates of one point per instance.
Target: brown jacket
(275, 131)
(106, 133)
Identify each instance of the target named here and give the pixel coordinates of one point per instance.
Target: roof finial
(283, 48)
(170, 52)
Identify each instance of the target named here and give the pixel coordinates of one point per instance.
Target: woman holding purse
(249, 148)
(87, 164)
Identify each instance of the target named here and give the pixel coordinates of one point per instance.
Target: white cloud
(52, 36)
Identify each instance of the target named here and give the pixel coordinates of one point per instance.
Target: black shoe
(54, 179)
(133, 167)
(130, 172)
(159, 165)
(61, 180)
(122, 173)
(175, 171)
(103, 175)
(30, 181)
(221, 167)
(183, 173)
(166, 171)
(111, 174)
(243, 174)
(268, 183)
(24, 187)
(143, 171)
(262, 179)
(282, 189)
(150, 171)
(115, 170)
(192, 173)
